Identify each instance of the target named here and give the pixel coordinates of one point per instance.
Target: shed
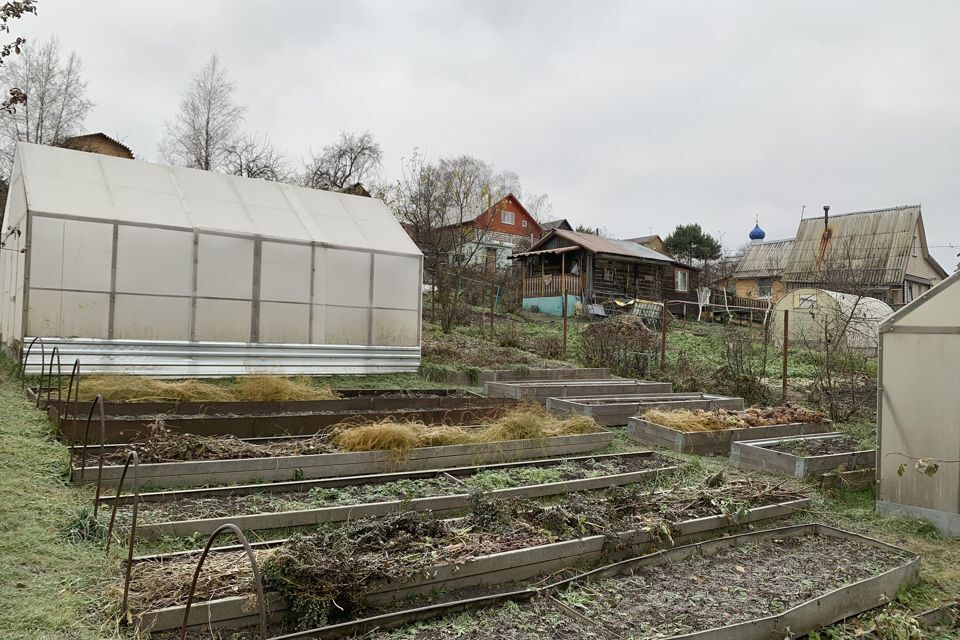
(595, 269)
(816, 315)
(918, 428)
(143, 268)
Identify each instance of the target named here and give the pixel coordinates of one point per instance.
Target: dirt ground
(817, 447)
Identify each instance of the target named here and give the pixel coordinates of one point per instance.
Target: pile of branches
(623, 343)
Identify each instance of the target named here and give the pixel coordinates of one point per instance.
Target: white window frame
(916, 241)
(678, 275)
(508, 217)
(523, 222)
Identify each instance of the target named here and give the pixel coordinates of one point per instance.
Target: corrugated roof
(72, 141)
(555, 224)
(645, 239)
(543, 252)
(763, 260)
(872, 246)
(100, 187)
(609, 246)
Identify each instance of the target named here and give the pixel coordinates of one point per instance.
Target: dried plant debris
(256, 388)
(164, 445)
(805, 447)
(398, 437)
(442, 484)
(522, 423)
(325, 574)
(719, 419)
(687, 596)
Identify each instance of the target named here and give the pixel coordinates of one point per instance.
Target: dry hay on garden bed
(326, 574)
(697, 593)
(720, 419)
(527, 422)
(254, 388)
(489, 480)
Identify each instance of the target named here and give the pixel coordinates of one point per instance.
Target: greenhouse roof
(74, 184)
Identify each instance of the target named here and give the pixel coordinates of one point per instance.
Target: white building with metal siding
(919, 410)
(145, 268)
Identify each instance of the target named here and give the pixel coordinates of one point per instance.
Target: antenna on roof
(802, 209)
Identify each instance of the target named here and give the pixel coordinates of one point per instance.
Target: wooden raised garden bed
(779, 583)
(130, 427)
(642, 430)
(326, 465)
(540, 390)
(617, 410)
(647, 465)
(802, 456)
(486, 570)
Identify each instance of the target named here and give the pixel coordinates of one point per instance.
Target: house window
(913, 249)
(506, 217)
(681, 280)
(764, 288)
(523, 223)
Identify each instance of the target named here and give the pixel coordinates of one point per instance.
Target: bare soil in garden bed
(806, 447)
(265, 502)
(340, 564)
(699, 593)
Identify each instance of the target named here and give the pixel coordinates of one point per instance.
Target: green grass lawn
(50, 588)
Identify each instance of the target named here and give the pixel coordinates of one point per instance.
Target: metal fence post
(663, 338)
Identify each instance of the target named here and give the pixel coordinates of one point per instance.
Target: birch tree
(206, 123)
(56, 103)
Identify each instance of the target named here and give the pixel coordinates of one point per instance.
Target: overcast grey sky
(634, 116)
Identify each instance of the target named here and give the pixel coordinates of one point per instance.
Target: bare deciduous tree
(437, 201)
(206, 124)
(253, 156)
(354, 158)
(56, 105)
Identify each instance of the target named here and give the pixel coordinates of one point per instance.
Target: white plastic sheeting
(133, 257)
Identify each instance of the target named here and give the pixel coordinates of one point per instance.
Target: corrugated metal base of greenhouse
(180, 359)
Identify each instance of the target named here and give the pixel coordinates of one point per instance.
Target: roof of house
(74, 184)
(763, 260)
(598, 245)
(75, 141)
(455, 219)
(645, 239)
(875, 245)
(562, 223)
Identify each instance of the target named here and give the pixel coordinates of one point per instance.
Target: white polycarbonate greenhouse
(918, 421)
(143, 268)
(816, 315)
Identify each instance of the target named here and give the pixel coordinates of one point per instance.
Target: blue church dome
(757, 233)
